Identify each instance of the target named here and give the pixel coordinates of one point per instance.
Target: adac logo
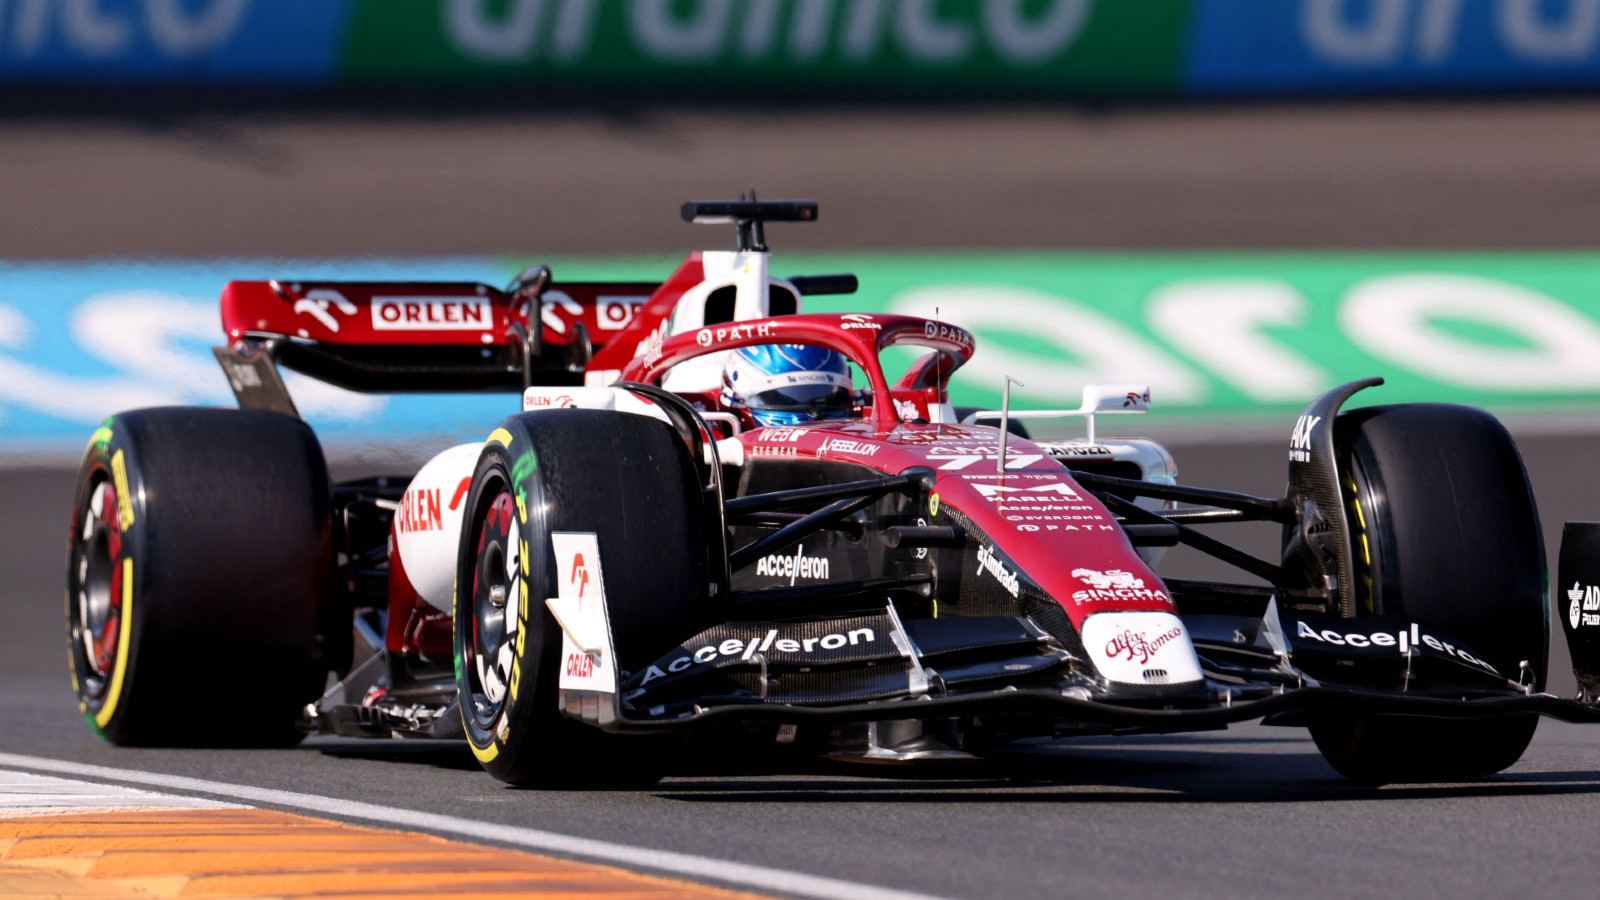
(1585, 605)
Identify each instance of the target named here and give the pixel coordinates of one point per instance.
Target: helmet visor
(807, 398)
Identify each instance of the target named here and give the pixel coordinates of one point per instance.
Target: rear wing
(422, 336)
(448, 336)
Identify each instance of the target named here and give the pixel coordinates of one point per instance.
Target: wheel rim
(496, 589)
(97, 623)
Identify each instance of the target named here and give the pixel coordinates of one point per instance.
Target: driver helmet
(787, 384)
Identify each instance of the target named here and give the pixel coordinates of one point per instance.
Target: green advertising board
(1016, 47)
(1230, 337)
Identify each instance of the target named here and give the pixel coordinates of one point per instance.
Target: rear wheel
(627, 481)
(1444, 530)
(198, 578)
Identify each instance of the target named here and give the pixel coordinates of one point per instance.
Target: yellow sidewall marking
(484, 754)
(119, 474)
(500, 436)
(125, 633)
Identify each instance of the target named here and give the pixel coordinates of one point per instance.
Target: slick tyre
(624, 479)
(198, 582)
(1444, 530)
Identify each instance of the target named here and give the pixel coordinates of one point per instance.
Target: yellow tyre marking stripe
(119, 475)
(263, 853)
(125, 631)
(484, 754)
(500, 436)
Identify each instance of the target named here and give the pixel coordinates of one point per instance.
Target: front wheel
(622, 485)
(1444, 530)
(199, 602)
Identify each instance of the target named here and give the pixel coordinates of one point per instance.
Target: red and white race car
(627, 560)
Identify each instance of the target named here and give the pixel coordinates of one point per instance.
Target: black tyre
(627, 480)
(1445, 531)
(199, 577)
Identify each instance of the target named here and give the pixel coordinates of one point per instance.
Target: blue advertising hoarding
(172, 41)
(1279, 47)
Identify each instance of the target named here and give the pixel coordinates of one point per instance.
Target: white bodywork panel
(427, 525)
(746, 271)
(1141, 648)
(588, 662)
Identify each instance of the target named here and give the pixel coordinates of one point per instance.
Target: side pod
(1577, 603)
(1316, 551)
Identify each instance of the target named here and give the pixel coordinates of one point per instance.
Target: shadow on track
(1140, 770)
(453, 755)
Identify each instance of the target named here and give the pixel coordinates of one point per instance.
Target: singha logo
(1116, 578)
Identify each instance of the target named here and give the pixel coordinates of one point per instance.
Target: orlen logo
(580, 578)
(545, 401)
(1135, 399)
(1138, 647)
(419, 510)
(432, 314)
(318, 303)
(859, 320)
(580, 665)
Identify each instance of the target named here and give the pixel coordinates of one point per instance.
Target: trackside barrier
(1220, 338)
(988, 48)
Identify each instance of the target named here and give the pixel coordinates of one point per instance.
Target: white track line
(699, 868)
(24, 794)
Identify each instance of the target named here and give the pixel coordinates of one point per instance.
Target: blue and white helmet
(786, 384)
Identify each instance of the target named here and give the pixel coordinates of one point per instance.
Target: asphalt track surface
(1248, 812)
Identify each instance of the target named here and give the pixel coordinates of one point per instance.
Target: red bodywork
(423, 313)
(1034, 517)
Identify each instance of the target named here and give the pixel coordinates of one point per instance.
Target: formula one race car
(632, 558)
